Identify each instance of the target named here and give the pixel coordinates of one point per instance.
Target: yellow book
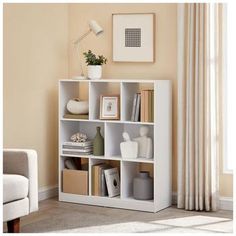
(152, 118)
(149, 106)
(142, 106)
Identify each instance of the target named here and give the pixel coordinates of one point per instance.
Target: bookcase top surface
(114, 80)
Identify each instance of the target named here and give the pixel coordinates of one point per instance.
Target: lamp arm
(82, 36)
(78, 51)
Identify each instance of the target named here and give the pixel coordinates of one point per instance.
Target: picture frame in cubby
(109, 107)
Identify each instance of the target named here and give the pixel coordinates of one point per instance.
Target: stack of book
(147, 106)
(103, 178)
(76, 148)
(143, 106)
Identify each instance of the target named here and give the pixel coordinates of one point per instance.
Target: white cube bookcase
(160, 132)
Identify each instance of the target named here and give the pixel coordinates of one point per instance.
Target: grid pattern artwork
(133, 37)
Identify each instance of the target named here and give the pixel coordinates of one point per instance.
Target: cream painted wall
(165, 66)
(35, 57)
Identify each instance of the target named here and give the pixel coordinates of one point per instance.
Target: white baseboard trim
(226, 203)
(48, 192)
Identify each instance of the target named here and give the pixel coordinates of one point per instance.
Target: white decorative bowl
(77, 107)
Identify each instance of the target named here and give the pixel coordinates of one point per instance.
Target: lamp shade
(95, 27)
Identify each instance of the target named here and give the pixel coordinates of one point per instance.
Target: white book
(134, 107)
(113, 182)
(76, 150)
(77, 147)
(84, 144)
(137, 110)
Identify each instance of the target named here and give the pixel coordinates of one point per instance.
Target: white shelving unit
(160, 132)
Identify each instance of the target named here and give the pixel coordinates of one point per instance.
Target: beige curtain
(198, 106)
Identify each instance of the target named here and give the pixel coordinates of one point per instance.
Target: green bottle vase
(98, 143)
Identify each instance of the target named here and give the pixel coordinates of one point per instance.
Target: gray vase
(143, 186)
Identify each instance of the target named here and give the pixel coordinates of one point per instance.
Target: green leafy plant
(92, 59)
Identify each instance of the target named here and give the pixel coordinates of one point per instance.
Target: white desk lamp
(97, 30)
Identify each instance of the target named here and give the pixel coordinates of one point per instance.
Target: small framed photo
(110, 107)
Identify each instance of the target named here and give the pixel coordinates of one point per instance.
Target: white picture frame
(133, 37)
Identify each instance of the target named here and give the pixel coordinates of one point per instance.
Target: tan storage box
(75, 181)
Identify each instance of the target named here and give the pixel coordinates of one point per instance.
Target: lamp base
(79, 77)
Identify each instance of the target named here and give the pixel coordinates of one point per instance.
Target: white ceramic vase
(75, 106)
(94, 72)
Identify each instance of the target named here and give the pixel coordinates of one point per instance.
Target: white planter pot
(77, 107)
(94, 72)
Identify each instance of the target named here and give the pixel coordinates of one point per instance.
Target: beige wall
(165, 66)
(35, 57)
(37, 82)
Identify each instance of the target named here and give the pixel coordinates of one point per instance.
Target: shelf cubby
(129, 171)
(112, 147)
(97, 160)
(96, 90)
(128, 89)
(75, 181)
(71, 90)
(71, 127)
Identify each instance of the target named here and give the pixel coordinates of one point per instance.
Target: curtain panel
(198, 106)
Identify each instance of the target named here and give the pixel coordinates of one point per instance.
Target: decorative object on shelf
(79, 137)
(143, 186)
(94, 64)
(110, 107)
(97, 30)
(128, 148)
(76, 106)
(133, 37)
(112, 181)
(98, 143)
(144, 143)
(69, 164)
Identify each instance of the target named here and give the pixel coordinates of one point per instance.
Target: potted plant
(94, 64)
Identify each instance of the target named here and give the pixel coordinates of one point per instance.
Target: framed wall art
(109, 107)
(133, 37)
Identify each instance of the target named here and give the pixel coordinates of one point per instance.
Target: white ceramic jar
(94, 72)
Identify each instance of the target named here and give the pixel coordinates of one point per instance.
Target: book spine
(76, 152)
(96, 180)
(137, 113)
(152, 106)
(145, 106)
(77, 148)
(149, 106)
(142, 105)
(85, 144)
(134, 107)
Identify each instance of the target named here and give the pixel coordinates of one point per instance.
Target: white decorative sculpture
(128, 148)
(144, 143)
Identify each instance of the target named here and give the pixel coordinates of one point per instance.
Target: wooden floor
(54, 216)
